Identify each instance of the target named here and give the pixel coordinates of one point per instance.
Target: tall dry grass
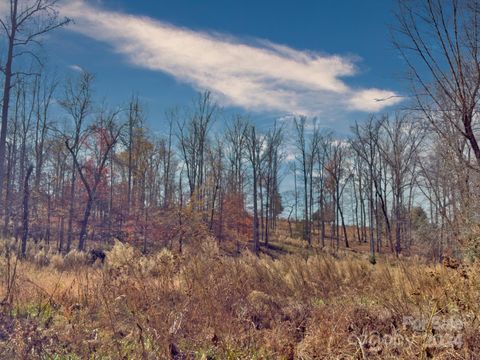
(205, 305)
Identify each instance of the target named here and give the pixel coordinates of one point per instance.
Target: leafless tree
(104, 135)
(439, 40)
(272, 158)
(77, 102)
(400, 149)
(193, 137)
(308, 152)
(25, 23)
(254, 149)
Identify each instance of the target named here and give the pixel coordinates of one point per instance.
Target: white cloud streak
(258, 76)
(76, 68)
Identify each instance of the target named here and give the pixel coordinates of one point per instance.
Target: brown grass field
(204, 304)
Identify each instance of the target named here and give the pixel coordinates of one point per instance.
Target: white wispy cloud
(76, 68)
(258, 75)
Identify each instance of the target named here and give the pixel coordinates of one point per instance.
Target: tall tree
(193, 139)
(254, 148)
(272, 155)
(104, 134)
(399, 149)
(25, 23)
(308, 152)
(439, 41)
(77, 102)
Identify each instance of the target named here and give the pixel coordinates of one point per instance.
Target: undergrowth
(204, 305)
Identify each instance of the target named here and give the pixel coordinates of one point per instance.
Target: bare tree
(193, 138)
(104, 134)
(77, 102)
(168, 160)
(365, 144)
(25, 23)
(308, 152)
(400, 149)
(272, 157)
(135, 120)
(254, 148)
(235, 143)
(340, 177)
(439, 41)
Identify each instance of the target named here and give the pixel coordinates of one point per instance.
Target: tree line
(75, 171)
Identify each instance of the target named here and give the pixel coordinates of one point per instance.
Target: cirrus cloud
(258, 75)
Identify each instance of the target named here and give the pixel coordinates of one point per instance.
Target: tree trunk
(255, 158)
(84, 224)
(71, 211)
(343, 226)
(6, 95)
(26, 198)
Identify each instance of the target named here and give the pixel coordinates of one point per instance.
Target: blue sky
(329, 59)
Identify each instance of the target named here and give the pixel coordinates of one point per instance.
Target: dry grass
(203, 305)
